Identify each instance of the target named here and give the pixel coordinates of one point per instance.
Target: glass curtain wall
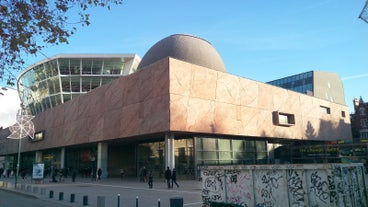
(220, 151)
(152, 157)
(51, 159)
(81, 160)
(207, 151)
(60, 80)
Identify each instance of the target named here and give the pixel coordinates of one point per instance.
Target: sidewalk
(130, 190)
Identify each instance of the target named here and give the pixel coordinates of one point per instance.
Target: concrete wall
(322, 185)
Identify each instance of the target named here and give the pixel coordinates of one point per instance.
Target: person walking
(168, 177)
(99, 173)
(150, 180)
(122, 173)
(173, 178)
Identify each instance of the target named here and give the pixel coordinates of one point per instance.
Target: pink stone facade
(208, 101)
(172, 95)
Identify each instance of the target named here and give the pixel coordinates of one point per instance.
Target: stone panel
(249, 92)
(178, 112)
(203, 83)
(200, 115)
(227, 119)
(227, 89)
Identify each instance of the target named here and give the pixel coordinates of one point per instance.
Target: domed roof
(186, 48)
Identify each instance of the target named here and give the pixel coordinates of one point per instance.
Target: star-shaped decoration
(23, 127)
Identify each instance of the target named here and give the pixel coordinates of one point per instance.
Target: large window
(221, 151)
(152, 157)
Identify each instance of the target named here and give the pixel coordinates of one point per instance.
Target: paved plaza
(106, 192)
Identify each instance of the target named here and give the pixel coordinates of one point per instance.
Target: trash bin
(176, 202)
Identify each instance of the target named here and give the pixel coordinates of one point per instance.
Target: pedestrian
(1, 172)
(54, 174)
(173, 178)
(122, 173)
(61, 175)
(168, 177)
(150, 180)
(23, 174)
(99, 173)
(4, 173)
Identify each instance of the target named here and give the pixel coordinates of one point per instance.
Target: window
(343, 114)
(363, 123)
(363, 134)
(362, 111)
(325, 110)
(283, 119)
(38, 136)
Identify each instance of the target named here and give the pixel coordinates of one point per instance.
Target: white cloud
(9, 105)
(355, 77)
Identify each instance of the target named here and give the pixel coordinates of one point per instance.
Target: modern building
(179, 109)
(320, 84)
(61, 78)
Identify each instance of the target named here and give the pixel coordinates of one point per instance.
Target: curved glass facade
(61, 78)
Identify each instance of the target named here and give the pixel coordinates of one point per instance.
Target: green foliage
(27, 26)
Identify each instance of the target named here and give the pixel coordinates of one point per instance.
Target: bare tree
(364, 14)
(27, 26)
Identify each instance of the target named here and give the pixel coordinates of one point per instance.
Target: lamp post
(22, 128)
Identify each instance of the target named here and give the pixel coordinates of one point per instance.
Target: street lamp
(22, 128)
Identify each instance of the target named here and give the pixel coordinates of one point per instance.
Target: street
(12, 199)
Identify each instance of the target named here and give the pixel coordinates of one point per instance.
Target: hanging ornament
(23, 127)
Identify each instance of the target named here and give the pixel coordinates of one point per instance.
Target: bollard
(100, 201)
(51, 194)
(176, 202)
(136, 201)
(85, 200)
(61, 196)
(158, 202)
(118, 199)
(72, 198)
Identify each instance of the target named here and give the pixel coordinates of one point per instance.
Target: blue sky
(259, 40)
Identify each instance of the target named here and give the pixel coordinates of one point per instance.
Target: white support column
(38, 157)
(102, 158)
(169, 150)
(62, 158)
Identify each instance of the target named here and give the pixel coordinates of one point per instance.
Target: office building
(320, 84)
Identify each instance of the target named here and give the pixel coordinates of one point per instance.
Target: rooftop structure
(324, 85)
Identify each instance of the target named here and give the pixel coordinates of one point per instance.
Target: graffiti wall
(317, 185)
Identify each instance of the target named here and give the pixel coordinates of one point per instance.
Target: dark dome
(186, 48)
